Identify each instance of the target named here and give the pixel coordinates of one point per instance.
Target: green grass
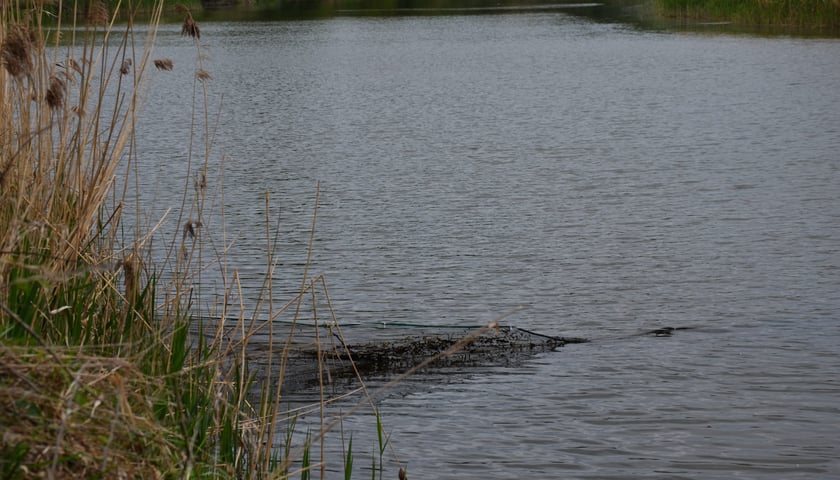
(787, 13)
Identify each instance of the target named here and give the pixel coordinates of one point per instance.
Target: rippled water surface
(609, 180)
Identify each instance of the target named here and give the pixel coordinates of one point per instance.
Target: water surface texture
(607, 179)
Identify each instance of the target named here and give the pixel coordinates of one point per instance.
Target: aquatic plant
(812, 14)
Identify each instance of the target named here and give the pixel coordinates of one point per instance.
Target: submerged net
(334, 356)
(501, 345)
(307, 356)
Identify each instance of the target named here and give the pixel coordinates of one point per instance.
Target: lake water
(605, 178)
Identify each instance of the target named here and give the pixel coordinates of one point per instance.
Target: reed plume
(203, 75)
(131, 280)
(190, 228)
(17, 51)
(98, 14)
(164, 64)
(190, 28)
(74, 65)
(55, 93)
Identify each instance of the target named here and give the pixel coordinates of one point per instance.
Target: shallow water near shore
(606, 179)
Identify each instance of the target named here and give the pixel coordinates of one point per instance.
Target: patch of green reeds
(812, 14)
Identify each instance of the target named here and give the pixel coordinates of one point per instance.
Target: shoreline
(792, 16)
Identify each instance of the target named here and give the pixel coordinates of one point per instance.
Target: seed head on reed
(125, 68)
(75, 66)
(190, 228)
(203, 75)
(67, 76)
(55, 94)
(190, 28)
(98, 14)
(164, 64)
(130, 269)
(200, 182)
(70, 66)
(17, 51)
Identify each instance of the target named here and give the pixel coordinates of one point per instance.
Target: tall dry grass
(69, 97)
(74, 307)
(105, 371)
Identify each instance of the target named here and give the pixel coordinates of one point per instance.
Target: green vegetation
(788, 13)
(104, 370)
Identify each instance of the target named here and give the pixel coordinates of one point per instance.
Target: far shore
(776, 15)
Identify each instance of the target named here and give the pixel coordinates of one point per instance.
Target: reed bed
(809, 14)
(104, 370)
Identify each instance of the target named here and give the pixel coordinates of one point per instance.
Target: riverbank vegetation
(104, 370)
(784, 14)
(812, 14)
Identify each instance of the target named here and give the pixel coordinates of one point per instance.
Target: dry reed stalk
(89, 173)
(270, 408)
(58, 169)
(64, 165)
(4, 171)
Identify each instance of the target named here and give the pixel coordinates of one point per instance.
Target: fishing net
(499, 345)
(334, 355)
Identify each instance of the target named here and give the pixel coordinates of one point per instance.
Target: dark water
(607, 179)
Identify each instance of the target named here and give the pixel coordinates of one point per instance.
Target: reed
(104, 370)
(74, 306)
(812, 14)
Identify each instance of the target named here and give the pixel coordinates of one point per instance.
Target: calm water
(608, 179)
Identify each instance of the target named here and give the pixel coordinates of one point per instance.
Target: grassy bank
(816, 14)
(99, 379)
(104, 372)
